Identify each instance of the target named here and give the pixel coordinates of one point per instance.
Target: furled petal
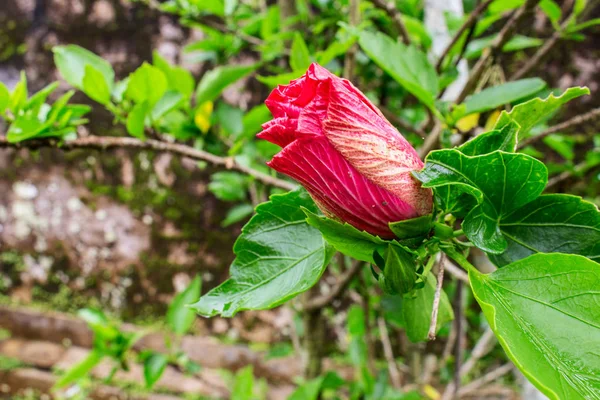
(338, 188)
(372, 145)
(280, 131)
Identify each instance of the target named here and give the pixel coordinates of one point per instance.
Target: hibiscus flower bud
(339, 146)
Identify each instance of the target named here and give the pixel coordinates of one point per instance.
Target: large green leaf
(71, 61)
(300, 56)
(534, 111)
(500, 182)
(417, 308)
(554, 223)
(347, 239)
(278, 256)
(504, 138)
(494, 97)
(215, 81)
(406, 64)
(544, 311)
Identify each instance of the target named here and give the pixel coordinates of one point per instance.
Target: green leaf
(154, 366)
(4, 97)
(300, 56)
(243, 384)
(135, 120)
(504, 138)
(180, 317)
(18, 98)
(400, 273)
(98, 323)
(228, 186)
(80, 370)
(170, 100)
(179, 79)
(24, 127)
(278, 257)
(552, 10)
(518, 42)
(146, 84)
(216, 80)
(406, 64)
(282, 79)
(507, 93)
(347, 239)
(237, 213)
(417, 308)
(534, 111)
(412, 230)
(230, 6)
(553, 223)
(71, 61)
(584, 25)
(544, 311)
(94, 85)
(500, 182)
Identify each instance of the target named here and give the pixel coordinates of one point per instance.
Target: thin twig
(496, 47)
(342, 283)
(395, 376)
(390, 8)
(402, 124)
(483, 346)
(431, 139)
(456, 271)
(480, 9)
(111, 142)
(535, 60)
(487, 378)
(350, 58)
(452, 389)
(577, 120)
(436, 298)
(577, 169)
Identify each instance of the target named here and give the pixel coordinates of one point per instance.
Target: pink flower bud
(337, 144)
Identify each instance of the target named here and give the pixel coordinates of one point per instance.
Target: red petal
(280, 131)
(373, 146)
(338, 188)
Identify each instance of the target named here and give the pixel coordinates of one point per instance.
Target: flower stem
(458, 233)
(460, 260)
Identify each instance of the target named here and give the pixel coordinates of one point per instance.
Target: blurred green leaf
(179, 79)
(228, 186)
(94, 85)
(80, 370)
(518, 42)
(154, 366)
(300, 56)
(71, 61)
(216, 80)
(413, 70)
(18, 98)
(237, 213)
(4, 98)
(506, 93)
(243, 384)
(146, 84)
(170, 101)
(136, 120)
(98, 323)
(179, 316)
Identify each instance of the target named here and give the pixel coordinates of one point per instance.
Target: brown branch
(431, 140)
(480, 9)
(395, 376)
(578, 169)
(496, 47)
(342, 283)
(487, 378)
(456, 271)
(535, 60)
(350, 58)
(577, 120)
(390, 8)
(436, 298)
(110, 142)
